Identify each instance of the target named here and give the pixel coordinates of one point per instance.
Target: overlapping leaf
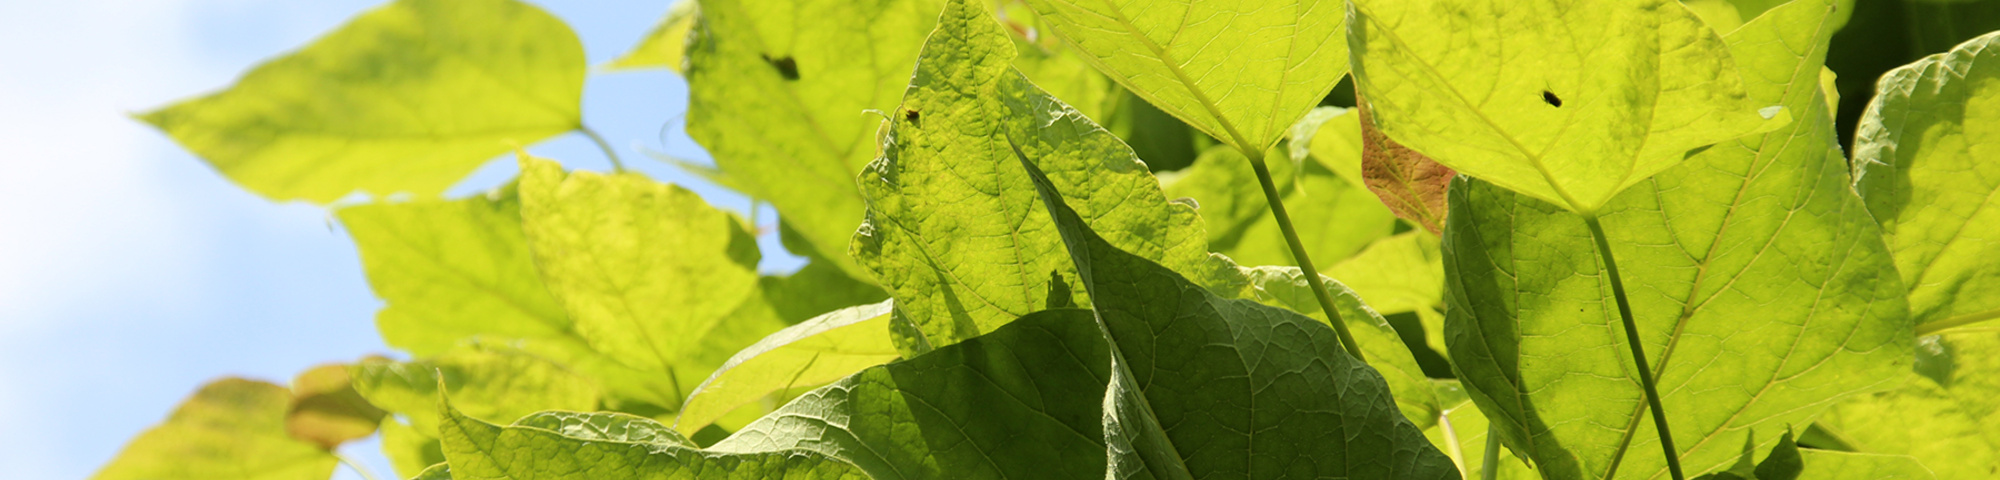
(953, 233)
(1759, 283)
(777, 94)
(565, 446)
(1566, 102)
(491, 383)
(809, 354)
(1951, 426)
(1286, 287)
(1210, 387)
(1334, 216)
(1923, 160)
(1240, 71)
(650, 274)
(231, 428)
(409, 97)
(327, 411)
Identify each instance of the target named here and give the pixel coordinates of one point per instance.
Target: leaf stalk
(616, 164)
(1299, 252)
(1638, 351)
(1489, 469)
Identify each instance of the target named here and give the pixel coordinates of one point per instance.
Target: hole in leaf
(1552, 99)
(785, 65)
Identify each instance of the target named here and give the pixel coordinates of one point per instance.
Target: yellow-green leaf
(799, 357)
(327, 411)
(1567, 102)
(665, 46)
(778, 94)
(1240, 71)
(231, 428)
(409, 97)
(567, 446)
(650, 274)
(1923, 159)
(489, 382)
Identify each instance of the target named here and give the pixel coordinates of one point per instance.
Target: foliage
(1053, 247)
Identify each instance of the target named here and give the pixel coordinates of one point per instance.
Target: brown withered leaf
(1411, 184)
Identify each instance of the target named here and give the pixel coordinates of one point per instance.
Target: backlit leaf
(1923, 160)
(489, 383)
(1761, 290)
(1335, 217)
(806, 355)
(665, 46)
(777, 95)
(1286, 287)
(954, 233)
(409, 97)
(1411, 184)
(1240, 71)
(650, 274)
(231, 428)
(1566, 102)
(1951, 427)
(326, 410)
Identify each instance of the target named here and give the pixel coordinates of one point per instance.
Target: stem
(1638, 351)
(356, 466)
(616, 164)
(1451, 447)
(1491, 468)
(1299, 252)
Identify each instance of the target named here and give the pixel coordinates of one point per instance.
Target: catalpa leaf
(1922, 159)
(1239, 71)
(231, 428)
(1950, 426)
(650, 274)
(1210, 387)
(1760, 287)
(490, 383)
(409, 97)
(607, 446)
(1411, 184)
(459, 271)
(1335, 217)
(410, 452)
(1286, 287)
(449, 270)
(1566, 102)
(1822, 464)
(665, 46)
(810, 354)
(952, 231)
(777, 96)
(327, 411)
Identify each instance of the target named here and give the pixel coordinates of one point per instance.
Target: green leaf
(650, 274)
(1463, 425)
(489, 383)
(460, 271)
(605, 446)
(1566, 102)
(1760, 287)
(952, 231)
(326, 410)
(1021, 402)
(410, 452)
(1951, 427)
(231, 428)
(435, 472)
(606, 426)
(777, 95)
(409, 97)
(665, 46)
(1335, 217)
(1239, 71)
(810, 354)
(1335, 142)
(1822, 464)
(817, 288)
(1211, 387)
(1921, 159)
(1286, 287)
(1783, 463)
(451, 270)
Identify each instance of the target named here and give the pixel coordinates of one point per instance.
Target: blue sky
(131, 273)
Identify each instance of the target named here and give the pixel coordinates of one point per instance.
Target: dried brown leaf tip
(1411, 184)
